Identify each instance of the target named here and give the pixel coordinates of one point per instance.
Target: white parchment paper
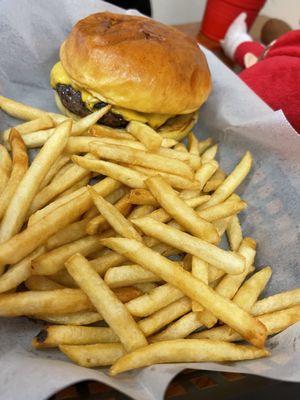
(30, 35)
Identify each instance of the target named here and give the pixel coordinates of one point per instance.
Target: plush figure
(272, 72)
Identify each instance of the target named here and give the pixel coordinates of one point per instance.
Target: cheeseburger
(146, 71)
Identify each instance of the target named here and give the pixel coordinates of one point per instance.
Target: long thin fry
(94, 355)
(233, 180)
(228, 261)
(19, 246)
(74, 174)
(174, 274)
(115, 218)
(19, 168)
(16, 212)
(180, 211)
(185, 350)
(104, 300)
(5, 166)
(143, 158)
(43, 122)
(53, 336)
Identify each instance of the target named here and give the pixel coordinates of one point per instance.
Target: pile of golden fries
(75, 255)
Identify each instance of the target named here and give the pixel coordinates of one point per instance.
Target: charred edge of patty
(72, 100)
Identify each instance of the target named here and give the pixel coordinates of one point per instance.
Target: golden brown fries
(53, 336)
(41, 123)
(154, 199)
(5, 166)
(139, 157)
(228, 261)
(105, 301)
(146, 135)
(114, 217)
(36, 282)
(180, 211)
(232, 181)
(185, 350)
(19, 168)
(19, 246)
(274, 322)
(15, 214)
(94, 355)
(173, 273)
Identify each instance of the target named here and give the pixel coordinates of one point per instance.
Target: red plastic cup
(219, 14)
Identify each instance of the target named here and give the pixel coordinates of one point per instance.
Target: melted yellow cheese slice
(59, 75)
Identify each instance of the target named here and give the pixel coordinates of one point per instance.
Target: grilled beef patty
(72, 100)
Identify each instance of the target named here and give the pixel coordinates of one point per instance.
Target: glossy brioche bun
(137, 63)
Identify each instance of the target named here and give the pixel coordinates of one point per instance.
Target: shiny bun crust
(137, 63)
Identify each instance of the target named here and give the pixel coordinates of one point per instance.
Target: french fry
(19, 168)
(230, 284)
(180, 211)
(126, 275)
(105, 301)
(78, 185)
(276, 302)
(199, 271)
(105, 131)
(54, 170)
(145, 287)
(178, 182)
(63, 278)
(53, 336)
(233, 180)
(164, 316)
(219, 211)
(145, 134)
(115, 218)
(19, 272)
(140, 211)
(19, 110)
(274, 322)
(107, 260)
(215, 181)
(193, 144)
(204, 145)
(179, 127)
(125, 175)
(19, 246)
(74, 174)
(234, 233)
(174, 274)
(209, 154)
(94, 355)
(5, 166)
(69, 234)
(149, 303)
(179, 329)
(185, 350)
(180, 147)
(58, 301)
(74, 319)
(143, 158)
(205, 172)
(248, 294)
(53, 261)
(221, 225)
(142, 197)
(228, 261)
(99, 223)
(43, 122)
(15, 214)
(37, 282)
(39, 138)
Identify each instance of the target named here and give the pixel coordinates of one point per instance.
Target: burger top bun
(137, 63)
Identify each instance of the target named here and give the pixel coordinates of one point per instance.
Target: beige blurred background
(185, 11)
